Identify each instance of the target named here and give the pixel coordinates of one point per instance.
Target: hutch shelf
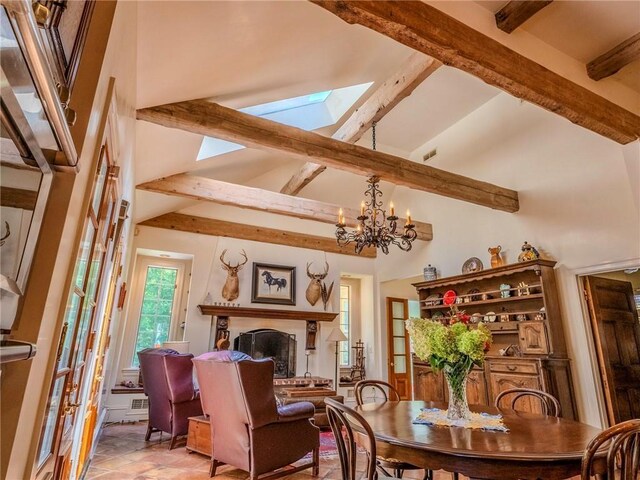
(520, 304)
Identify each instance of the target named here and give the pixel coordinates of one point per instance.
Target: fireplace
(269, 343)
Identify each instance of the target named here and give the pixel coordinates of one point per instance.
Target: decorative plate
(474, 264)
(476, 318)
(474, 295)
(490, 317)
(433, 300)
(449, 297)
(437, 315)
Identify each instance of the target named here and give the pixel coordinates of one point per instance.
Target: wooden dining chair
(342, 429)
(623, 451)
(550, 404)
(388, 393)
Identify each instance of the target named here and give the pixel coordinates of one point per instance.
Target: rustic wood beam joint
(210, 119)
(516, 12)
(223, 193)
(612, 61)
(430, 31)
(399, 86)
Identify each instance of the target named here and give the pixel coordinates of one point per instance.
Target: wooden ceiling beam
(221, 228)
(430, 31)
(223, 193)
(210, 119)
(609, 63)
(516, 12)
(399, 86)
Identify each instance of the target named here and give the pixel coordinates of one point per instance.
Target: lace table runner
(484, 421)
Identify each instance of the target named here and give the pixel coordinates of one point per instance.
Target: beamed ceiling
(239, 54)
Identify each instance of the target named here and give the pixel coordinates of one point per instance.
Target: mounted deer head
(231, 289)
(314, 290)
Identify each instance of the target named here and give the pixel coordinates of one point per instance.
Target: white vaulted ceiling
(244, 53)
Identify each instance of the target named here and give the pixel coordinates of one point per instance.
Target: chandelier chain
(374, 227)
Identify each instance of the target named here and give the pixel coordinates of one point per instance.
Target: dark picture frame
(274, 284)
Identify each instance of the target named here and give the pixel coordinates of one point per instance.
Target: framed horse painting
(273, 284)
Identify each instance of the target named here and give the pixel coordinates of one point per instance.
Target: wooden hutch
(520, 304)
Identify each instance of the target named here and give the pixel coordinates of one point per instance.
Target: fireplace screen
(268, 343)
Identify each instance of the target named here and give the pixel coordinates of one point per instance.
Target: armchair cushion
(295, 411)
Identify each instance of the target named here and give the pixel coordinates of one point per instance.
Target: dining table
(536, 446)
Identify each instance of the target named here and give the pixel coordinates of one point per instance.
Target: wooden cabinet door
(476, 388)
(616, 332)
(505, 381)
(428, 385)
(533, 338)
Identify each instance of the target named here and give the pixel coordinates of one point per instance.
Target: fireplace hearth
(269, 343)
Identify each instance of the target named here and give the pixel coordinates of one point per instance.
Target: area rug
(328, 448)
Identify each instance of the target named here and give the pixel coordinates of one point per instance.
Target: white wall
(208, 276)
(576, 205)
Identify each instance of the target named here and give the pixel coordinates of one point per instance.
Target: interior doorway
(613, 301)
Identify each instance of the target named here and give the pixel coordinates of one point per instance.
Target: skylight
(308, 112)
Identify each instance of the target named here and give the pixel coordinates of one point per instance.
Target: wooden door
(616, 333)
(399, 359)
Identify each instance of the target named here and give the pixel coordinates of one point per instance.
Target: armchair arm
(295, 411)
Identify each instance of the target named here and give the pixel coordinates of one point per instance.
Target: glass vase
(456, 376)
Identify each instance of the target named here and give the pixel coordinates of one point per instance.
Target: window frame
(178, 311)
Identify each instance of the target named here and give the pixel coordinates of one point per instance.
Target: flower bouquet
(453, 346)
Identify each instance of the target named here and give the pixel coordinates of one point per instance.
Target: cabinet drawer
(525, 368)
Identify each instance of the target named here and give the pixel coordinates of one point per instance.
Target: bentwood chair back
(388, 393)
(549, 403)
(345, 436)
(385, 389)
(622, 443)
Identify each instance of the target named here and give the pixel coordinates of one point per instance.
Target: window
(345, 325)
(157, 307)
(308, 112)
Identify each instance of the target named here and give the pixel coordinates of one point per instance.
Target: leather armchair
(248, 429)
(167, 377)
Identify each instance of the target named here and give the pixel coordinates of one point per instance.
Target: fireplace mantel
(222, 314)
(267, 313)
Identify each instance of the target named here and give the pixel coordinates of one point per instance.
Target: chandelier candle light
(374, 228)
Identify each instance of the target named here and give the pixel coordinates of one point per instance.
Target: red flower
(464, 318)
(487, 346)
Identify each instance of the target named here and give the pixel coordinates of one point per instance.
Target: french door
(399, 359)
(79, 327)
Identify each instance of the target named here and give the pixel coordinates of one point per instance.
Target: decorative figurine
(496, 258)
(505, 290)
(528, 253)
(523, 289)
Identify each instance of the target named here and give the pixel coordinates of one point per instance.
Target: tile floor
(123, 454)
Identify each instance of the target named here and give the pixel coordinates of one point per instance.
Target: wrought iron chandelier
(375, 228)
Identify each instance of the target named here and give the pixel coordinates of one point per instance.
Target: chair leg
(316, 462)
(148, 435)
(454, 475)
(172, 444)
(398, 472)
(214, 466)
(428, 475)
